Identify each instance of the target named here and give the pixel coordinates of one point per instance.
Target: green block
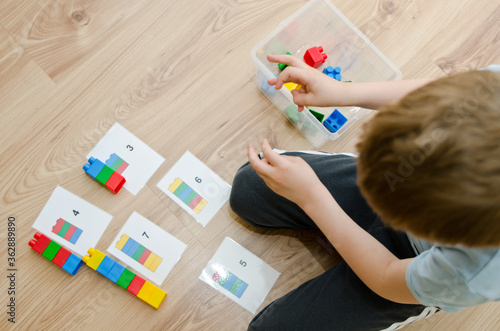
(178, 191)
(318, 116)
(190, 197)
(51, 250)
(104, 175)
(138, 253)
(283, 66)
(292, 113)
(125, 278)
(235, 286)
(117, 164)
(64, 229)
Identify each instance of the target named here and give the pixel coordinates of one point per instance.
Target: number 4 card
(239, 275)
(196, 188)
(72, 221)
(129, 156)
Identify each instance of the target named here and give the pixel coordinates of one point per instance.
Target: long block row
(56, 253)
(230, 282)
(104, 174)
(125, 278)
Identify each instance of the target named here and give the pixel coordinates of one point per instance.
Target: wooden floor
(178, 75)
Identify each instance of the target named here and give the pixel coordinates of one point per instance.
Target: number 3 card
(129, 156)
(147, 248)
(72, 221)
(239, 275)
(196, 188)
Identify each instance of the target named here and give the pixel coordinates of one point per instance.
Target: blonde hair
(429, 164)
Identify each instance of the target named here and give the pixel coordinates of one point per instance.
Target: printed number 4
(76, 212)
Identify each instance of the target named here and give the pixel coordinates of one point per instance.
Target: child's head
(430, 163)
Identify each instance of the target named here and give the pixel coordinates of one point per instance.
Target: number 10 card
(196, 188)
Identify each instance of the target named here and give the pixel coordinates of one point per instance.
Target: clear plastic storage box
(319, 23)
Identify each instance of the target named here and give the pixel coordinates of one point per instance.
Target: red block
(70, 232)
(61, 256)
(40, 244)
(135, 285)
(315, 57)
(115, 182)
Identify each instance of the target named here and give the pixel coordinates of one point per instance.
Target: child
(415, 217)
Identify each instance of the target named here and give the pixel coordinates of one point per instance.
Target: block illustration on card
(187, 195)
(116, 163)
(230, 282)
(195, 188)
(67, 231)
(138, 252)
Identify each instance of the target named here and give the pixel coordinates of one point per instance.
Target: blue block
(230, 281)
(335, 121)
(333, 72)
(106, 265)
(130, 242)
(337, 70)
(115, 272)
(337, 77)
(72, 264)
(75, 236)
(94, 167)
(112, 159)
(241, 289)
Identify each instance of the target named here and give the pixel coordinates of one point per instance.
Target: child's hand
(317, 89)
(288, 176)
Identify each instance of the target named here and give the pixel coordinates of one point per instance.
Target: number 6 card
(196, 188)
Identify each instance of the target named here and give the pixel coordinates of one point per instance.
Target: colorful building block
(67, 231)
(283, 66)
(135, 285)
(51, 251)
(57, 254)
(333, 72)
(319, 116)
(105, 266)
(61, 257)
(315, 57)
(94, 167)
(108, 176)
(41, 242)
(116, 272)
(157, 298)
(146, 291)
(125, 278)
(335, 121)
(94, 258)
(266, 88)
(72, 264)
(292, 86)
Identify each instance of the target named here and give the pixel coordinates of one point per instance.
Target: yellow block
(155, 263)
(146, 290)
(175, 185)
(157, 298)
(200, 206)
(292, 86)
(94, 259)
(122, 241)
(150, 260)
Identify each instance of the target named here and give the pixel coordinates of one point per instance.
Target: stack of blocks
(125, 278)
(55, 253)
(104, 174)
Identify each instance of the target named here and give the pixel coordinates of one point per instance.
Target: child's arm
(320, 90)
(374, 264)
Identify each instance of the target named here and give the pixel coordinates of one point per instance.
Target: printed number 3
(130, 148)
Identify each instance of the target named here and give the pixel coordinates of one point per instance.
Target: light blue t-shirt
(454, 277)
